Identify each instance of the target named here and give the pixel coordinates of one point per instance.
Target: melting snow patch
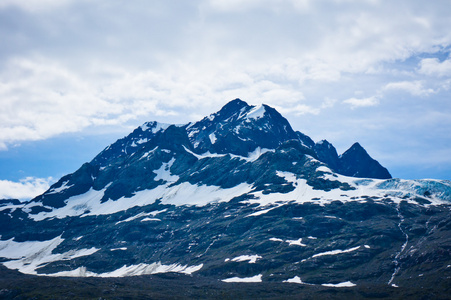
(89, 204)
(148, 153)
(276, 240)
(335, 252)
(251, 258)
(256, 113)
(116, 249)
(150, 219)
(296, 242)
(324, 169)
(341, 284)
(262, 212)
(133, 270)
(213, 138)
(163, 173)
(63, 187)
(256, 278)
(30, 255)
(296, 279)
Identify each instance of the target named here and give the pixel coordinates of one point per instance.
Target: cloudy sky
(75, 75)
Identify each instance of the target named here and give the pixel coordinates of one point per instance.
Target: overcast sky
(75, 75)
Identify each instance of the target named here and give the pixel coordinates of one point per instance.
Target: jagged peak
(324, 142)
(356, 147)
(233, 107)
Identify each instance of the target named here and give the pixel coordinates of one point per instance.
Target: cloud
(433, 66)
(35, 5)
(25, 189)
(414, 88)
(83, 64)
(362, 102)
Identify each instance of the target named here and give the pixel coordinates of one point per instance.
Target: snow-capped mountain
(237, 196)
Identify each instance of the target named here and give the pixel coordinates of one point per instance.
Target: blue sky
(77, 75)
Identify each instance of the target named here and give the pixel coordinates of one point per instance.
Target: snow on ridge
(256, 112)
(63, 187)
(256, 278)
(323, 169)
(155, 126)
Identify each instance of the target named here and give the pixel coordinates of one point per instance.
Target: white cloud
(25, 189)
(35, 5)
(432, 66)
(415, 88)
(362, 102)
(297, 110)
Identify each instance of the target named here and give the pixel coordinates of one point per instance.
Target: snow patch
(341, 284)
(256, 278)
(148, 153)
(30, 255)
(89, 203)
(63, 187)
(297, 242)
(335, 252)
(324, 169)
(256, 113)
(163, 173)
(296, 279)
(133, 270)
(150, 219)
(213, 138)
(276, 240)
(251, 258)
(155, 126)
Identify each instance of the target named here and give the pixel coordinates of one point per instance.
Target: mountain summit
(238, 196)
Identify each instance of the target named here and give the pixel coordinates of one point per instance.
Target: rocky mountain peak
(357, 162)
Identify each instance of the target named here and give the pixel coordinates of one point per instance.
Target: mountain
(238, 196)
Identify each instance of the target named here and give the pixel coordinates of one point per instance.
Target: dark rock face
(327, 153)
(236, 196)
(356, 162)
